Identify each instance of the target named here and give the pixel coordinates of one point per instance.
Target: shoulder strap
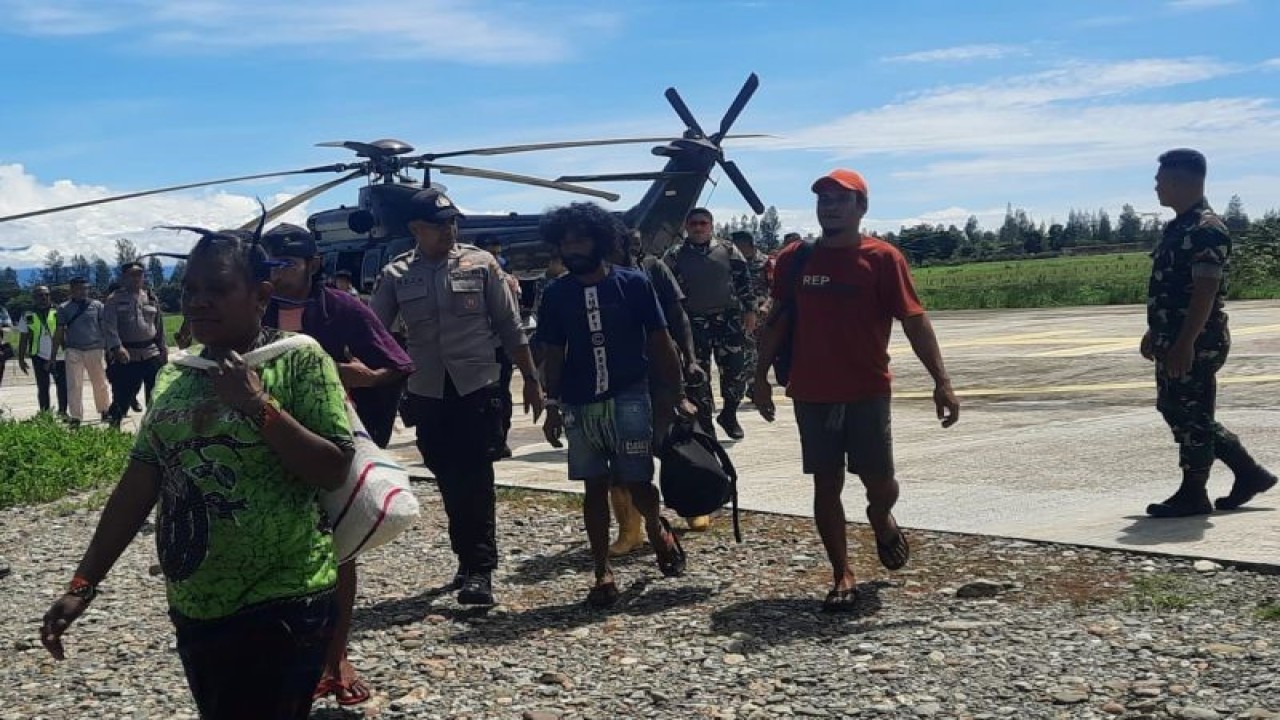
(797, 270)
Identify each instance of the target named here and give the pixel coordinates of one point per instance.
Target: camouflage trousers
(720, 336)
(1188, 404)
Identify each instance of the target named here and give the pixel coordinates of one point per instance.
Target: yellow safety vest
(39, 325)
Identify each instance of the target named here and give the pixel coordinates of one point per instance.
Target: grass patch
(41, 459)
(1161, 593)
(553, 498)
(1052, 282)
(1269, 611)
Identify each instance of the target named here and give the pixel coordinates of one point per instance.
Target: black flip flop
(602, 596)
(841, 601)
(675, 566)
(894, 554)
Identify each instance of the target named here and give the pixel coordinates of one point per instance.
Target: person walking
(372, 367)
(234, 458)
(35, 341)
(453, 300)
(721, 304)
(1188, 340)
(837, 301)
(81, 332)
(133, 325)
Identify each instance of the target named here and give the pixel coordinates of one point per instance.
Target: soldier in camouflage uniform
(1188, 339)
(721, 304)
(745, 242)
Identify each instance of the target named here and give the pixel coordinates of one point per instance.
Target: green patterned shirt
(235, 527)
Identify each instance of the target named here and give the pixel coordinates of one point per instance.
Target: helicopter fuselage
(363, 239)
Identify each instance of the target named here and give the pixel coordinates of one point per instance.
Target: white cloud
(960, 53)
(1193, 5)
(93, 230)
(446, 30)
(1079, 117)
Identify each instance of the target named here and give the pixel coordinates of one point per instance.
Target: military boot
(1251, 478)
(1191, 499)
(728, 419)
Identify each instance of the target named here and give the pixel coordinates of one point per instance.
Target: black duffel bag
(697, 477)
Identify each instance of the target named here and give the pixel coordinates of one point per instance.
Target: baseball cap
(742, 237)
(78, 280)
(126, 267)
(431, 206)
(286, 240)
(846, 179)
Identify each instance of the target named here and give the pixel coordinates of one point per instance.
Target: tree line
(1019, 235)
(57, 271)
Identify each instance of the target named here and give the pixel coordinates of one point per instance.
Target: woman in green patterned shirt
(235, 457)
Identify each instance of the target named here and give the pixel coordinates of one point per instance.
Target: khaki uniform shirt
(133, 320)
(451, 309)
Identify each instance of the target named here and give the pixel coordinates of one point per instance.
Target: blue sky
(947, 108)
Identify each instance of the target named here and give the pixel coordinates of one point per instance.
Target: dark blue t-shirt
(604, 330)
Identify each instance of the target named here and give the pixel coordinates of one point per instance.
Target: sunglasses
(696, 223)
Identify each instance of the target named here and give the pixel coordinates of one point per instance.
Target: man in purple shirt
(373, 368)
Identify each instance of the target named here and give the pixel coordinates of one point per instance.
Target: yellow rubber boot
(700, 523)
(630, 523)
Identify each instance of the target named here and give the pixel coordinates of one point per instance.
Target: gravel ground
(974, 628)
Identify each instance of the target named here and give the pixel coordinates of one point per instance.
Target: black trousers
(57, 371)
(505, 376)
(460, 437)
(126, 380)
(261, 664)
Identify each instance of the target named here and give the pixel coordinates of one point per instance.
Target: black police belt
(138, 344)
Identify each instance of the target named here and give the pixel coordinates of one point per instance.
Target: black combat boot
(477, 589)
(728, 419)
(1191, 499)
(1251, 478)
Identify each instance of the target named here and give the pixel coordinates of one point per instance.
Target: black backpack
(697, 476)
(782, 359)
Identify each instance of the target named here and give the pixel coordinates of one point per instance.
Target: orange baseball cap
(847, 179)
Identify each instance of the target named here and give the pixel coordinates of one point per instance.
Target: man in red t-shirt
(838, 312)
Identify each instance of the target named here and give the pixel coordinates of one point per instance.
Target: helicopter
(362, 239)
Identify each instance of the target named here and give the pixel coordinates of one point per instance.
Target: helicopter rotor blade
(301, 198)
(535, 147)
(735, 109)
(740, 181)
(174, 188)
(677, 103)
(622, 177)
(521, 179)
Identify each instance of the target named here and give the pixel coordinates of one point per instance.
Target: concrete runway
(1058, 440)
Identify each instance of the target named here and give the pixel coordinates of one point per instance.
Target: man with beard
(35, 340)
(721, 307)
(372, 368)
(1188, 340)
(453, 301)
(600, 327)
(839, 298)
(136, 344)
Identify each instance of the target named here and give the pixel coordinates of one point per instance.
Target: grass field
(1049, 282)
